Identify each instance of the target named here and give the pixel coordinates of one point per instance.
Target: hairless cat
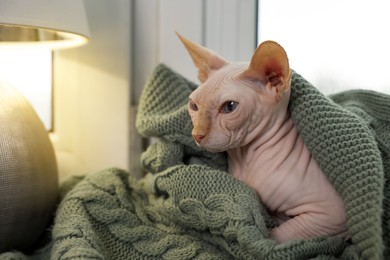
(242, 108)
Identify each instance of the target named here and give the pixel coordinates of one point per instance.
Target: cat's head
(237, 102)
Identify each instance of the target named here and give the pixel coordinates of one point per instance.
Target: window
(335, 44)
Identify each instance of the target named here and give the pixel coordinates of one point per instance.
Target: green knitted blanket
(188, 206)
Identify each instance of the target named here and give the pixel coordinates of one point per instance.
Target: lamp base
(28, 173)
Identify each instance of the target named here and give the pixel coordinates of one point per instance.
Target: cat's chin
(215, 150)
(212, 150)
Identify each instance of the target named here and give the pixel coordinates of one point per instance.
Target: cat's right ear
(204, 59)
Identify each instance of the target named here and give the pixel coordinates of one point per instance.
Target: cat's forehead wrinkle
(202, 93)
(226, 75)
(228, 72)
(205, 98)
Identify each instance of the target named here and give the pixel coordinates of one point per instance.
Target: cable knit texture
(189, 207)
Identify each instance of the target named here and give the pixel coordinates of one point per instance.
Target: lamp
(25, 26)
(28, 168)
(50, 23)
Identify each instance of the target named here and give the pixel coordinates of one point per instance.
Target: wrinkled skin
(242, 108)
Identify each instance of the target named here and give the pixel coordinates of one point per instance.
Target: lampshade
(53, 23)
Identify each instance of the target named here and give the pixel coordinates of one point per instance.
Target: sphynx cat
(242, 108)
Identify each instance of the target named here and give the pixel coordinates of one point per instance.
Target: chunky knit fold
(343, 142)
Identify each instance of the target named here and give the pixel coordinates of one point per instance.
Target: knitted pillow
(28, 173)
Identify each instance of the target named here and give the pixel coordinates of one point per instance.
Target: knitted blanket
(188, 206)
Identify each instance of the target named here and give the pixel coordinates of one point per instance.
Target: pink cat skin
(242, 108)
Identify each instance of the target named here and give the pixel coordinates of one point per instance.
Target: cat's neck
(267, 151)
(268, 135)
(273, 135)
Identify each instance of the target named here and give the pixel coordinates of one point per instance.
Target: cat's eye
(192, 105)
(229, 107)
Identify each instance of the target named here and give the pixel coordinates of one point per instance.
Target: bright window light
(335, 44)
(30, 71)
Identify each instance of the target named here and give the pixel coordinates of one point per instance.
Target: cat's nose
(199, 138)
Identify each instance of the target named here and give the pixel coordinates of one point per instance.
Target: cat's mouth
(199, 143)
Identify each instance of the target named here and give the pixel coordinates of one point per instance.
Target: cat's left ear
(269, 65)
(204, 59)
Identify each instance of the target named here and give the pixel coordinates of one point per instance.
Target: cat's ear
(269, 64)
(204, 59)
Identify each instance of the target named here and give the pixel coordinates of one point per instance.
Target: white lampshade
(53, 23)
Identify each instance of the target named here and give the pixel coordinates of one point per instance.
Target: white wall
(91, 95)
